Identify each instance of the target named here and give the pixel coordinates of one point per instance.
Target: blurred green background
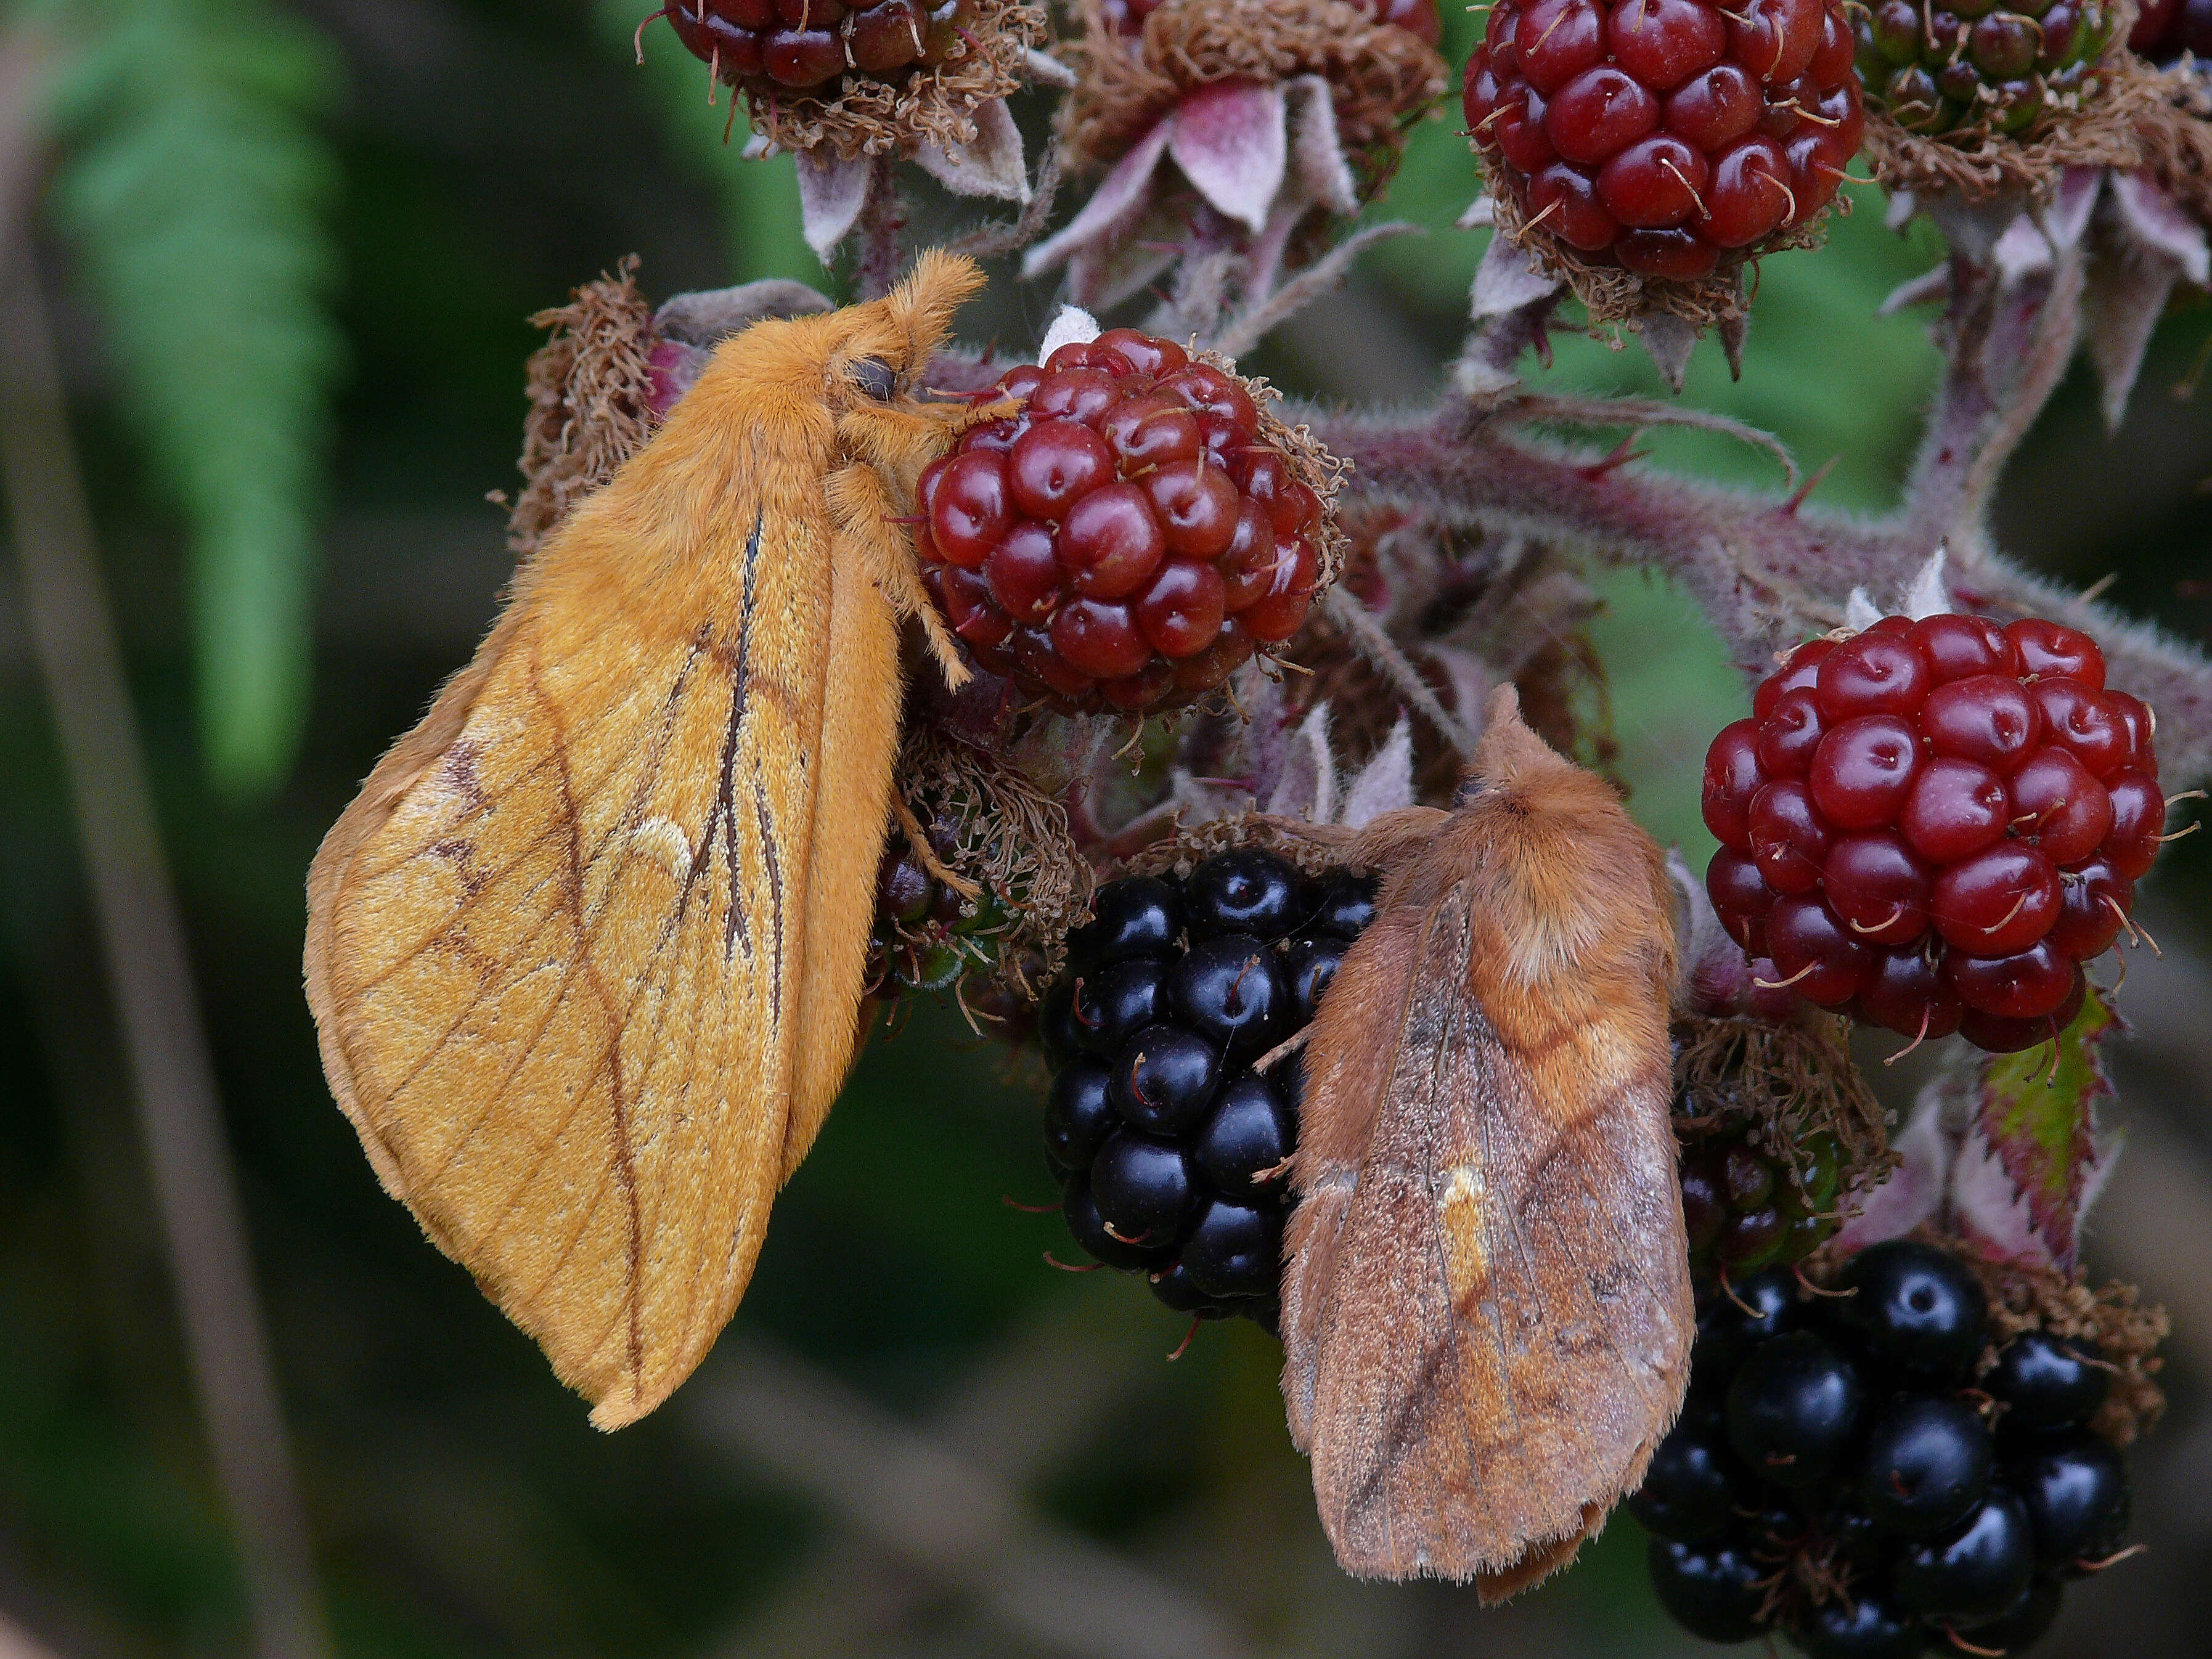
(289, 251)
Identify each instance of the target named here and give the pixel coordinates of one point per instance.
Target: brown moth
(1486, 1312)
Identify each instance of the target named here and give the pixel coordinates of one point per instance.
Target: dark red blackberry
(1128, 539)
(1836, 1449)
(1169, 1147)
(800, 44)
(1745, 1208)
(1932, 825)
(1665, 136)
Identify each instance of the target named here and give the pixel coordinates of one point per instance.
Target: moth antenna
(1051, 1260)
(1188, 1337)
(1014, 1203)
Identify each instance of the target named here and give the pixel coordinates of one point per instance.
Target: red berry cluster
(806, 43)
(1417, 17)
(1664, 134)
(1129, 539)
(1932, 824)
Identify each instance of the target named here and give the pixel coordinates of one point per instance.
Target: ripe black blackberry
(1168, 1145)
(1857, 1472)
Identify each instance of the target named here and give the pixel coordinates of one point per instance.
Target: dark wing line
(610, 1059)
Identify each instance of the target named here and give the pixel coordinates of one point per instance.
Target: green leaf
(192, 192)
(2039, 1114)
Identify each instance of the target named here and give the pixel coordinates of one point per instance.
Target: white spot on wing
(663, 841)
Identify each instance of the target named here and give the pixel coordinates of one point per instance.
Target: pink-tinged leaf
(1228, 138)
(1713, 974)
(712, 315)
(674, 368)
(2023, 250)
(2037, 1113)
(1072, 326)
(1670, 340)
(2125, 302)
(831, 194)
(1305, 773)
(2072, 203)
(1923, 290)
(1506, 280)
(991, 166)
(1988, 1209)
(2158, 226)
(1913, 1191)
(1319, 170)
(1114, 209)
(1385, 784)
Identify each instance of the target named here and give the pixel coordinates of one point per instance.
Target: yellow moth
(584, 954)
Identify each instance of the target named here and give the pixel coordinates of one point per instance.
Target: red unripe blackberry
(1663, 135)
(799, 45)
(1129, 539)
(1933, 824)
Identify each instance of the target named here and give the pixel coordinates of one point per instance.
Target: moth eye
(875, 378)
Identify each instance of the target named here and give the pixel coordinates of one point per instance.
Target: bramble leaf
(2039, 1115)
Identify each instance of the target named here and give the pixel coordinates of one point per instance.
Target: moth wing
(555, 946)
(1531, 1256)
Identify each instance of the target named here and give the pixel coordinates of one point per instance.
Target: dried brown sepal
(2035, 1297)
(591, 401)
(860, 115)
(1781, 1084)
(2101, 129)
(1612, 295)
(1380, 77)
(993, 826)
(2174, 132)
(1316, 848)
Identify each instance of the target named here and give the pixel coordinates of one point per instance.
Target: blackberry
(1841, 1474)
(1931, 825)
(1130, 537)
(1169, 1146)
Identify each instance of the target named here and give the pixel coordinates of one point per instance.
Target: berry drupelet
(800, 45)
(1129, 539)
(1932, 824)
(1666, 136)
(1973, 63)
(1839, 1473)
(1168, 1145)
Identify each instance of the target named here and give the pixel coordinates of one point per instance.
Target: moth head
(878, 354)
(1511, 761)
